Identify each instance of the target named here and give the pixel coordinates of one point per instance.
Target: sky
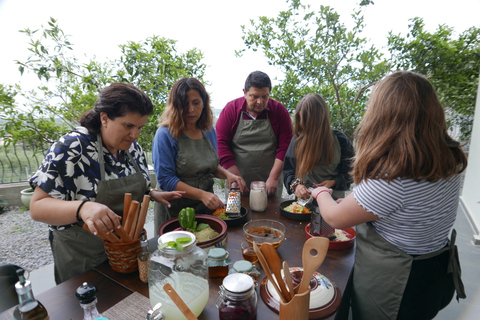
(97, 28)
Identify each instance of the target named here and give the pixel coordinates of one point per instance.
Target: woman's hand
(319, 190)
(99, 218)
(165, 196)
(231, 178)
(326, 183)
(302, 192)
(211, 201)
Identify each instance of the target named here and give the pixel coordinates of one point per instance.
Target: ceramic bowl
(325, 296)
(215, 223)
(337, 245)
(292, 215)
(264, 230)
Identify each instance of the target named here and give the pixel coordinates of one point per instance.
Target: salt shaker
(258, 196)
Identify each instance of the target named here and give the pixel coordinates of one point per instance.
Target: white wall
(470, 198)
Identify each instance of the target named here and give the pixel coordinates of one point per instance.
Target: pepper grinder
(87, 294)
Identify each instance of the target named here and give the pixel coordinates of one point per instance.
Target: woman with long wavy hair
(184, 152)
(407, 172)
(318, 155)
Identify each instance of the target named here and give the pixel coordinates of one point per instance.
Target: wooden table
(112, 287)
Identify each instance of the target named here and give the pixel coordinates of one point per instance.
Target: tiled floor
(468, 309)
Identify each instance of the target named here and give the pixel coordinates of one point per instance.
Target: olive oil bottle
(28, 308)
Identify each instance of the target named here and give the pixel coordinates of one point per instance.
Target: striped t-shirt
(414, 216)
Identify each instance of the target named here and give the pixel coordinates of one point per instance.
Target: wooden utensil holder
(298, 308)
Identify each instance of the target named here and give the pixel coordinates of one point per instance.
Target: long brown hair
(177, 102)
(314, 135)
(404, 133)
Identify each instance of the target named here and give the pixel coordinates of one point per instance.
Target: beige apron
(378, 289)
(321, 171)
(254, 146)
(197, 161)
(76, 250)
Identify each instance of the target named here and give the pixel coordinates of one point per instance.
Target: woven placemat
(135, 306)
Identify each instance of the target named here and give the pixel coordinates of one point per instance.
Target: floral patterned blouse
(70, 169)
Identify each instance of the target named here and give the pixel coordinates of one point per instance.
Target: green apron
(196, 162)
(254, 146)
(321, 171)
(76, 250)
(376, 290)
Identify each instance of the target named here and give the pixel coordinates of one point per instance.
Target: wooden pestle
(142, 217)
(127, 200)
(132, 217)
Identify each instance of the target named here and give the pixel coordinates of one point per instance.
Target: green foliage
(70, 87)
(318, 53)
(451, 64)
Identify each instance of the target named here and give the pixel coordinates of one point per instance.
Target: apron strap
(453, 264)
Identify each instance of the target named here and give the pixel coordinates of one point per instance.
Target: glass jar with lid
(258, 196)
(237, 298)
(179, 262)
(246, 267)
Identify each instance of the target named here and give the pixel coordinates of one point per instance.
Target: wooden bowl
(215, 223)
(337, 245)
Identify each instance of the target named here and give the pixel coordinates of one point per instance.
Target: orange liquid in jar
(249, 255)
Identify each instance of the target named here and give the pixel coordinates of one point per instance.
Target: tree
(452, 66)
(69, 87)
(318, 53)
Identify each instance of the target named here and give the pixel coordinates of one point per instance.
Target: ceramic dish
(291, 215)
(215, 223)
(324, 295)
(337, 245)
(236, 222)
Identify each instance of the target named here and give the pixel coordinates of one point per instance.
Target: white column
(470, 198)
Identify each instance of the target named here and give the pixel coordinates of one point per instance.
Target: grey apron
(378, 289)
(321, 171)
(254, 146)
(76, 250)
(196, 162)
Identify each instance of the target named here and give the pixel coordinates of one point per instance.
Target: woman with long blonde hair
(317, 155)
(408, 175)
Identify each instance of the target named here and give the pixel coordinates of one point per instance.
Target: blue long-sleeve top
(165, 154)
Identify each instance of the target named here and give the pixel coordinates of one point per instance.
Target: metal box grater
(234, 203)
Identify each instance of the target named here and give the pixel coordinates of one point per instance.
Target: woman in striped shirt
(407, 171)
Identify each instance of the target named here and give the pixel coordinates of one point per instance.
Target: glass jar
(246, 267)
(237, 298)
(258, 196)
(185, 268)
(218, 261)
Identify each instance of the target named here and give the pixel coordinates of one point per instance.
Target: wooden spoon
(288, 278)
(314, 252)
(273, 260)
(267, 271)
(179, 302)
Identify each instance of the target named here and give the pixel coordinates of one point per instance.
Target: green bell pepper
(186, 218)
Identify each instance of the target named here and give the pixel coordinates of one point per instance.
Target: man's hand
(272, 186)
